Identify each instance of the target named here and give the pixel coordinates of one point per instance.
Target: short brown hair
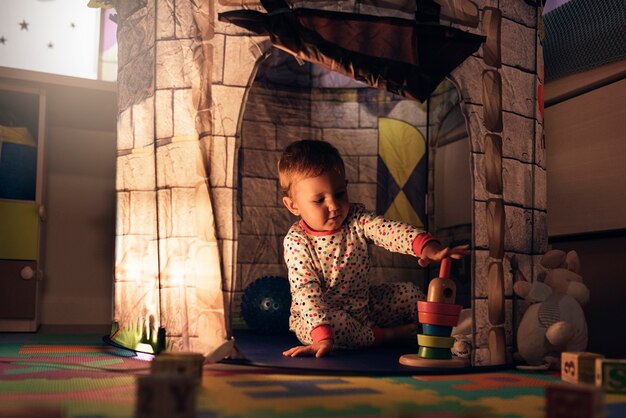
(307, 158)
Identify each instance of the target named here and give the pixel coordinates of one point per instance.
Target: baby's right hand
(434, 251)
(317, 349)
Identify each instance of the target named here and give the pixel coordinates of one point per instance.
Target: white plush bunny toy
(555, 321)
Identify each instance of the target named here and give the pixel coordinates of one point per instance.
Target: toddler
(326, 252)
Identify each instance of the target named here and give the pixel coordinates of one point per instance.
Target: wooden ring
(439, 308)
(436, 330)
(436, 342)
(434, 353)
(438, 319)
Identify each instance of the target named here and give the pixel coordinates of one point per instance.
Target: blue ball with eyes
(266, 304)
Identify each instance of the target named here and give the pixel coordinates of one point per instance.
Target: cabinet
(22, 126)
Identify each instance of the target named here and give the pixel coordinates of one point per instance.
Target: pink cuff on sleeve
(420, 242)
(322, 332)
(379, 337)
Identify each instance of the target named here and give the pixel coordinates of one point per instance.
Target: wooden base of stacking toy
(414, 360)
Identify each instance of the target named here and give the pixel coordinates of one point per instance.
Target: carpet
(82, 377)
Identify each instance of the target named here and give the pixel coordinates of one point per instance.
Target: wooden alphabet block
(611, 375)
(566, 400)
(183, 364)
(579, 367)
(166, 396)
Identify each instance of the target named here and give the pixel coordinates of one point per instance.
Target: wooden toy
(436, 330)
(579, 367)
(567, 400)
(439, 308)
(166, 396)
(181, 363)
(437, 319)
(611, 375)
(434, 341)
(434, 353)
(438, 314)
(442, 289)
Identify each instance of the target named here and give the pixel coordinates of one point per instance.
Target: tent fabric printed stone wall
(184, 80)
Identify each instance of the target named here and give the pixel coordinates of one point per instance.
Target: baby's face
(322, 201)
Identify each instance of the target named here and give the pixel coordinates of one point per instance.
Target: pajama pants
(390, 304)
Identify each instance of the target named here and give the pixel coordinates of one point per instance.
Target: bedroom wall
(585, 144)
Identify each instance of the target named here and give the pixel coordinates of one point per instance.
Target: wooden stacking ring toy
(438, 314)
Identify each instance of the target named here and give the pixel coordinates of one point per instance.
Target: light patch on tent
(401, 172)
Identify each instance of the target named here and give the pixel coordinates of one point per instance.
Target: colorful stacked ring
(434, 353)
(434, 342)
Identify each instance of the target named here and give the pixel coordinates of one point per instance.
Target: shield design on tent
(401, 179)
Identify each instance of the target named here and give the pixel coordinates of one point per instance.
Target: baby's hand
(318, 349)
(433, 251)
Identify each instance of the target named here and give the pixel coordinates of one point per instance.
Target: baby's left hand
(434, 251)
(317, 349)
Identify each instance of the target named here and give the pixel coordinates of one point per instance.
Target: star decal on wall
(50, 45)
(3, 40)
(24, 25)
(72, 25)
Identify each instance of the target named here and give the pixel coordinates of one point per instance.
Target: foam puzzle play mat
(80, 376)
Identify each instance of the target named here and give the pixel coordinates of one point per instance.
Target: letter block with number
(611, 375)
(579, 367)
